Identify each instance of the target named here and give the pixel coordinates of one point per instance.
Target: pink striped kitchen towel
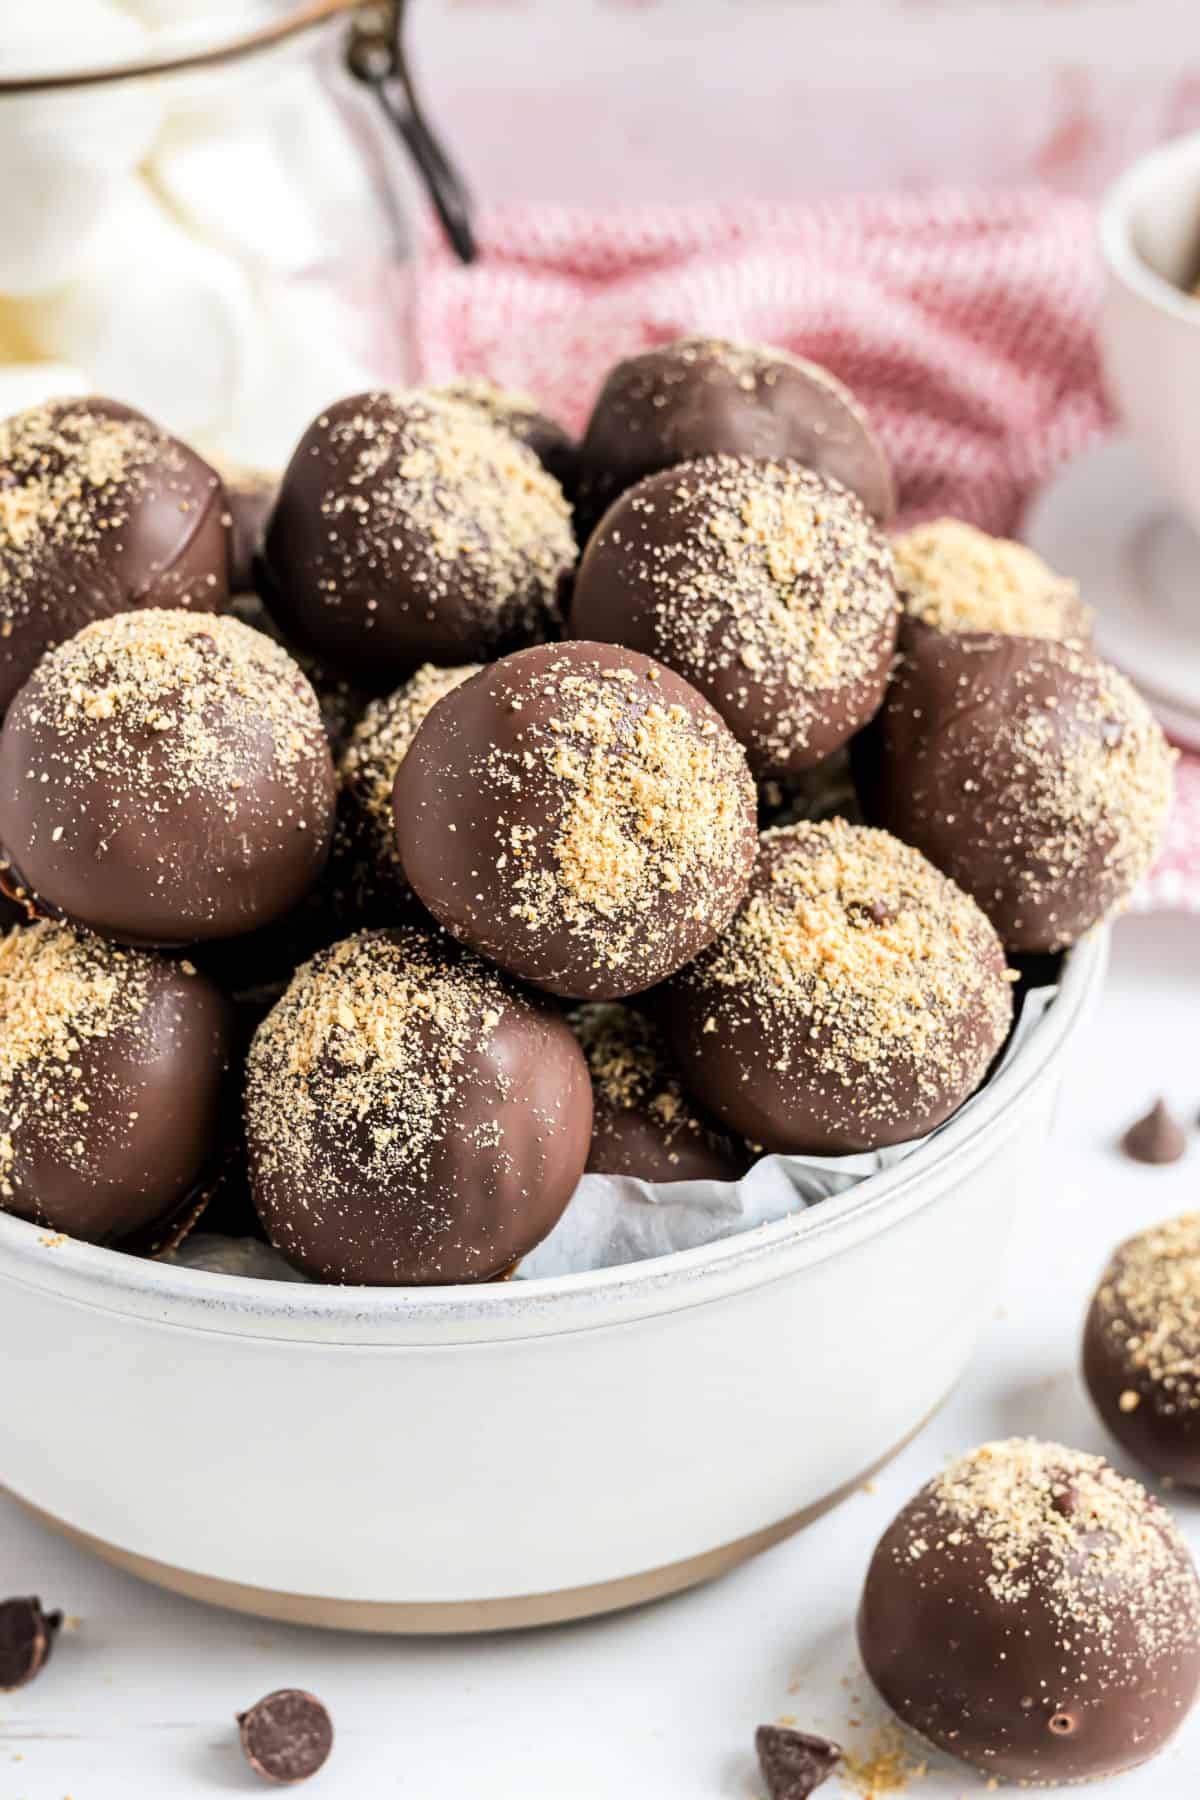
(964, 322)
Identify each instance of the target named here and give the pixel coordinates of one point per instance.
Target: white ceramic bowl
(1150, 324)
(464, 1459)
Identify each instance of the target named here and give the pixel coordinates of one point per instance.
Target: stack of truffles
(393, 895)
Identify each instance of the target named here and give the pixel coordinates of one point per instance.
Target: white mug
(1150, 324)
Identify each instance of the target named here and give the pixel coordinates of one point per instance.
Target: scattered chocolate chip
(1156, 1138)
(1065, 1501)
(287, 1736)
(26, 1640)
(792, 1762)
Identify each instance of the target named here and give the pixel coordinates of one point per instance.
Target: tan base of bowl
(456, 1617)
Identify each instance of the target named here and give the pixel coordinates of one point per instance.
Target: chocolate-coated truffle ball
(113, 1082)
(517, 413)
(856, 1000)
(365, 846)
(580, 815)
(164, 778)
(704, 396)
(1141, 1348)
(764, 585)
(1027, 770)
(411, 1116)
(1036, 1614)
(645, 1124)
(956, 578)
(100, 511)
(407, 530)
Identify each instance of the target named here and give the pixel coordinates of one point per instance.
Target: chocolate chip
(287, 1736)
(878, 912)
(1156, 1138)
(1065, 1501)
(26, 1640)
(792, 1762)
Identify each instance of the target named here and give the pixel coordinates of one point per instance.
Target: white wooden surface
(658, 1705)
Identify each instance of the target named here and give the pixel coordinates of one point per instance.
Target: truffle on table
(645, 1124)
(955, 578)
(114, 1076)
(100, 511)
(365, 843)
(580, 815)
(857, 999)
(1141, 1348)
(1036, 1614)
(412, 1116)
(519, 414)
(1026, 769)
(704, 396)
(766, 586)
(164, 778)
(409, 529)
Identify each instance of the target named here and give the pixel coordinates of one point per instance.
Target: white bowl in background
(465, 1459)
(1150, 323)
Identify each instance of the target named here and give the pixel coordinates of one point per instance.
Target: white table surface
(660, 1704)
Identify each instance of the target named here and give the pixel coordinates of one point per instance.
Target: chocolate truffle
(113, 1082)
(704, 396)
(365, 844)
(1027, 770)
(1141, 1348)
(164, 778)
(1036, 1614)
(411, 1116)
(579, 815)
(856, 1000)
(249, 497)
(955, 578)
(764, 585)
(407, 530)
(100, 512)
(518, 414)
(644, 1123)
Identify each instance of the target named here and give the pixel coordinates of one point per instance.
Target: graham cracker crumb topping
(1150, 1304)
(956, 578)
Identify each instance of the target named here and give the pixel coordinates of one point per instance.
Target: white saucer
(1137, 563)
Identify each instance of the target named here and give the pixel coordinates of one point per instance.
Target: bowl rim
(250, 1306)
(1124, 262)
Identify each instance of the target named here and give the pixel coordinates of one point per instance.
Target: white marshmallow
(157, 318)
(65, 157)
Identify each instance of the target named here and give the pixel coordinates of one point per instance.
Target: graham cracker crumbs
(631, 1070)
(767, 586)
(59, 991)
(211, 696)
(370, 1049)
(456, 505)
(616, 805)
(370, 760)
(1065, 1525)
(869, 968)
(885, 1765)
(1149, 1307)
(507, 407)
(956, 578)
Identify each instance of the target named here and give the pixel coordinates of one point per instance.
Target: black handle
(375, 54)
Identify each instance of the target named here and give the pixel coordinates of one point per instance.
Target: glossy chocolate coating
(1141, 1348)
(645, 1124)
(1028, 770)
(579, 815)
(412, 1116)
(184, 788)
(102, 512)
(409, 529)
(764, 585)
(553, 446)
(1047, 1632)
(114, 1083)
(699, 396)
(856, 1000)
